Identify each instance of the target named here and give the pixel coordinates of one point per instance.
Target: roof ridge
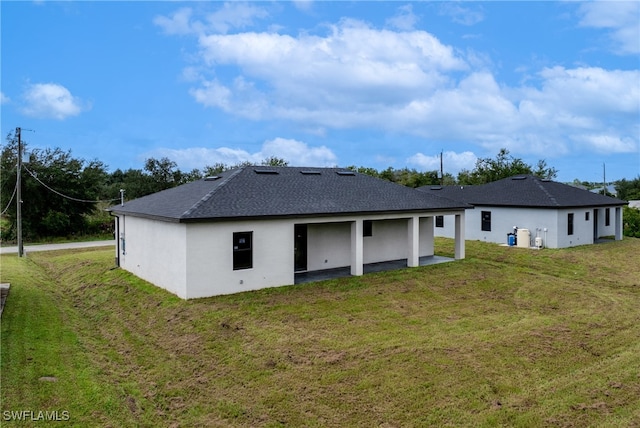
(209, 194)
(546, 192)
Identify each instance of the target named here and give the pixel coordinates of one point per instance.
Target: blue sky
(328, 83)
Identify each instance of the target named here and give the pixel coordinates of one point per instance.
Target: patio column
(618, 221)
(459, 236)
(413, 238)
(426, 236)
(356, 248)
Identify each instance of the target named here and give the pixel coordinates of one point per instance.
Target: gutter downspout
(117, 232)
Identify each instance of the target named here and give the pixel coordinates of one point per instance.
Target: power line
(10, 199)
(35, 176)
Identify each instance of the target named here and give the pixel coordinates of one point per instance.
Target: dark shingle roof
(524, 191)
(252, 192)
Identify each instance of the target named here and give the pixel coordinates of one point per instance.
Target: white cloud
(622, 18)
(404, 19)
(178, 23)
(230, 16)
(3, 98)
(356, 76)
(304, 5)
(607, 143)
(51, 100)
(297, 153)
(590, 90)
(235, 15)
(452, 162)
(320, 79)
(462, 15)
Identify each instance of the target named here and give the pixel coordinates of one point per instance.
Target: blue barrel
(511, 239)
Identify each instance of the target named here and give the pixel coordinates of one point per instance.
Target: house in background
(610, 189)
(546, 213)
(257, 227)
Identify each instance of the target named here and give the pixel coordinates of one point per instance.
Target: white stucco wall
(387, 242)
(154, 251)
(503, 219)
(448, 229)
(196, 259)
(603, 229)
(328, 245)
(210, 257)
(536, 220)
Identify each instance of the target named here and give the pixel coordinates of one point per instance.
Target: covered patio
(342, 272)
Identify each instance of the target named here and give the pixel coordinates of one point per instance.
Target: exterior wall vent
(310, 172)
(266, 171)
(345, 173)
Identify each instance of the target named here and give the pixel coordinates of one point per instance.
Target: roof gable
(251, 192)
(525, 191)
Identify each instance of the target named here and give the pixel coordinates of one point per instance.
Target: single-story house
(256, 227)
(610, 189)
(546, 213)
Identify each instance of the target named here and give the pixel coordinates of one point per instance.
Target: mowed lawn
(506, 337)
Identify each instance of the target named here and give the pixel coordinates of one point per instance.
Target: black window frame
(570, 224)
(367, 228)
(439, 221)
(607, 217)
(485, 219)
(242, 250)
(586, 216)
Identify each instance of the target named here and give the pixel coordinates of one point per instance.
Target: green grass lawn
(506, 337)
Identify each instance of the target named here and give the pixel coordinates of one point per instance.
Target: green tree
(405, 176)
(502, 166)
(629, 190)
(364, 170)
(164, 173)
(219, 167)
(215, 169)
(631, 221)
(275, 161)
(135, 183)
(58, 190)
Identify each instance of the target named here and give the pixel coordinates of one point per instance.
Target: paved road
(51, 247)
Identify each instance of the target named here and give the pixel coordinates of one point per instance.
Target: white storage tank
(538, 242)
(524, 238)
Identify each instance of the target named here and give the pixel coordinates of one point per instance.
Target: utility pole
(19, 195)
(604, 179)
(441, 170)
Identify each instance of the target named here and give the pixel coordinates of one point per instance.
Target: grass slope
(507, 337)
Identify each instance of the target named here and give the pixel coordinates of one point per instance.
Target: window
(242, 250)
(439, 221)
(570, 224)
(367, 228)
(586, 216)
(607, 217)
(486, 220)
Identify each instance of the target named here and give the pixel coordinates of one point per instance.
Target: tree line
(62, 193)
